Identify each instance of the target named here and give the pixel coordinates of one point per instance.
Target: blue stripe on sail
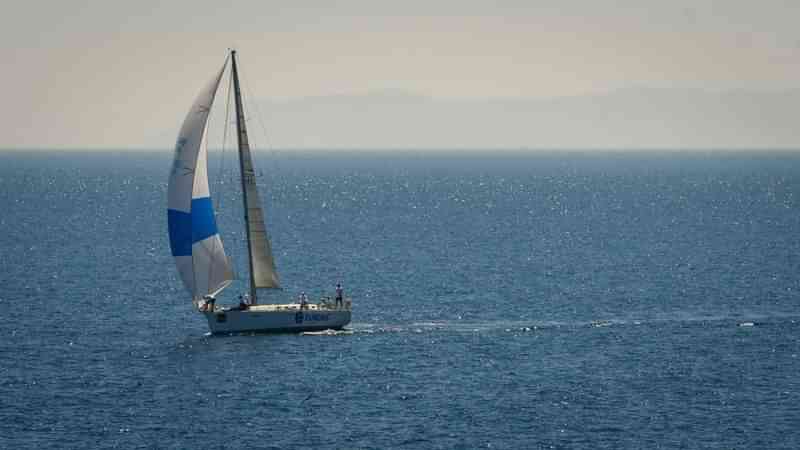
(180, 232)
(185, 229)
(204, 225)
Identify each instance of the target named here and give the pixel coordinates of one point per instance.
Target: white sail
(195, 242)
(264, 273)
(262, 264)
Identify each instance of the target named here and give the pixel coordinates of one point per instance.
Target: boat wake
(328, 332)
(517, 327)
(522, 327)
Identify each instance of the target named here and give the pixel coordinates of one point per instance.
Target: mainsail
(193, 237)
(262, 264)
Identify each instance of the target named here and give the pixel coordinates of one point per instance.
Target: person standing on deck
(339, 296)
(303, 300)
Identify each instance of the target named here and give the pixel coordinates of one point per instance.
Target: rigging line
(218, 183)
(216, 244)
(210, 250)
(221, 167)
(235, 259)
(273, 153)
(228, 121)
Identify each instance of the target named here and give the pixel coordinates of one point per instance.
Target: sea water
(501, 300)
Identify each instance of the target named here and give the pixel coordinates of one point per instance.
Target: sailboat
(202, 263)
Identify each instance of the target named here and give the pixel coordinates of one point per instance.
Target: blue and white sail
(193, 236)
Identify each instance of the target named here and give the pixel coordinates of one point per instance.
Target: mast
(260, 261)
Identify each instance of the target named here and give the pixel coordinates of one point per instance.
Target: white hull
(276, 318)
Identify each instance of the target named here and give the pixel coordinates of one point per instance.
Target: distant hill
(629, 118)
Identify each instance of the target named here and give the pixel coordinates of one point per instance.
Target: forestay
(195, 242)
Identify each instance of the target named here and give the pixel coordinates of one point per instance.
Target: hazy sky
(99, 74)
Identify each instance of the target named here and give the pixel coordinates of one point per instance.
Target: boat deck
(293, 307)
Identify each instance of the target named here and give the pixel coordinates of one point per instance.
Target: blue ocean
(502, 300)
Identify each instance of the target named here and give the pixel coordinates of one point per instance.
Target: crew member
(339, 295)
(209, 303)
(303, 300)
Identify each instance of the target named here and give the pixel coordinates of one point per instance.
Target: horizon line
(509, 149)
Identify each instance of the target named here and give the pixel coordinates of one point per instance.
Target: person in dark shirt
(339, 295)
(303, 301)
(242, 304)
(209, 303)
